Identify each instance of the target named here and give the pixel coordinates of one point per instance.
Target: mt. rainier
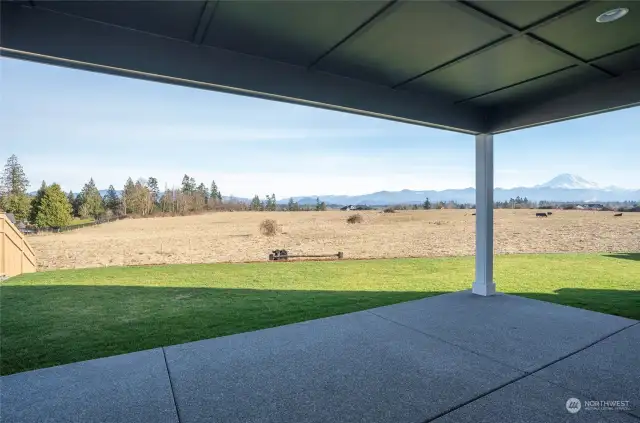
(569, 181)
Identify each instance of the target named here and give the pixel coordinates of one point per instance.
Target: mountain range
(563, 188)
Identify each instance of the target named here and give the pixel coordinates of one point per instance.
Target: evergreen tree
(320, 206)
(13, 189)
(185, 184)
(54, 209)
(270, 203)
(213, 191)
(77, 204)
(91, 200)
(152, 183)
(111, 200)
(215, 194)
(13, 181)
(427, 204)
(203, 190)
(255, 204)
(128, 194)
(37, 202)
(188, 185)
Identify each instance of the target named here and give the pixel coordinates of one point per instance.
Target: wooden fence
(16, 255)
(35, 231)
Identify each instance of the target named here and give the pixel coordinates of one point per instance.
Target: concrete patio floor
(451, 358)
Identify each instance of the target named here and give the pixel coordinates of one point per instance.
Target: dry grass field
(236, 237)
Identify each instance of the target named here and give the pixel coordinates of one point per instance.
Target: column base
(484, 289)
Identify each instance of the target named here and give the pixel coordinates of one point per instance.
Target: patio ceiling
(481, 66)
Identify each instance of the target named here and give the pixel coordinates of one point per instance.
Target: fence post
(21, 255)
(3, 264)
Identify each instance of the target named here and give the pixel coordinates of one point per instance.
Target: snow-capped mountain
(569, 181)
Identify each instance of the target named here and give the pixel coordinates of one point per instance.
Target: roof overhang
(486, 66)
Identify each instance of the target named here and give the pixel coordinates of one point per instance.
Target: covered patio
(481, 68)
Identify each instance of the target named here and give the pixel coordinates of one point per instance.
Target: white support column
(484, 284)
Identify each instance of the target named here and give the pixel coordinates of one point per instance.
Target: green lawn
(78, 221)
(64, 316)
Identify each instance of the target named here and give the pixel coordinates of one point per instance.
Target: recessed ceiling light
(612, 15)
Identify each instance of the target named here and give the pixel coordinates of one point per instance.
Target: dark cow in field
(549, 213)
(541, 215)
(617, 215)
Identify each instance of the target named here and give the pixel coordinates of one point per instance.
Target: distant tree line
(51, 207)
(516, 203)
(143, 198)
(621, 206)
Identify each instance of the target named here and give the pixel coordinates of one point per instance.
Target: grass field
(235, 237)
(58, 317)
(78, 221)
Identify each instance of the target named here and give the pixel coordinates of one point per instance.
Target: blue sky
(67, 125)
